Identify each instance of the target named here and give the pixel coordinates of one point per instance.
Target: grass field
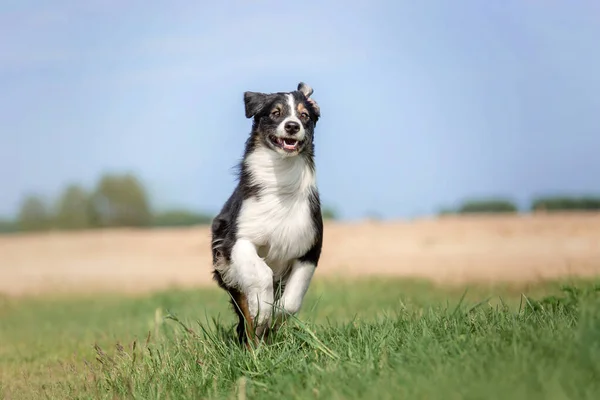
(372, 338)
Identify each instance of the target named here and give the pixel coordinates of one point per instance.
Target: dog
(267, 238)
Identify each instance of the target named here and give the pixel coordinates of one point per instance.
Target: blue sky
(423, 103)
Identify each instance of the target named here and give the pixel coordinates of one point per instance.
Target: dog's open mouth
(287, 144)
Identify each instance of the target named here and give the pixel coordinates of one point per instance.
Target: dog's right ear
(254, 102)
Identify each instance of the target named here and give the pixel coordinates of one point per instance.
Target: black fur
(314, 253)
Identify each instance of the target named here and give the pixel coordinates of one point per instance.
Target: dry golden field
(445, 250)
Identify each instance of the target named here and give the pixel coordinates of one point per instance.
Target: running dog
(267, 238)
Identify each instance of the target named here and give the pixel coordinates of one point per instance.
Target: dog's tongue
(289, 144)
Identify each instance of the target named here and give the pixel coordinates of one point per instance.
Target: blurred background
(130, 114)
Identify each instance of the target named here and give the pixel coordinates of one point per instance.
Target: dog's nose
(292, 127)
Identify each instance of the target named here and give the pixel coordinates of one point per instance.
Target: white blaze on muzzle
(281, 133)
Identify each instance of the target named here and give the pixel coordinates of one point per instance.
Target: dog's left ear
(254, 102)
(304, 88)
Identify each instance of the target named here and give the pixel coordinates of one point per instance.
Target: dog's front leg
(255, 279)
(295, 288)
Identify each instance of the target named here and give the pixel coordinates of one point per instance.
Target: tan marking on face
(276, 110)
(301, 108)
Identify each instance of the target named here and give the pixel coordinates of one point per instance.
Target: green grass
(380, 339)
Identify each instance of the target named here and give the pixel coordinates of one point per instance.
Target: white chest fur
(278, 221)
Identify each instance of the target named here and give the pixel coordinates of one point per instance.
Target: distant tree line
(117, 200)
(566, 204)
(546, 203)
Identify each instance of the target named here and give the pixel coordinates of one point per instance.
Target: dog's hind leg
(239, 302)
(254, 279)
(245, 327)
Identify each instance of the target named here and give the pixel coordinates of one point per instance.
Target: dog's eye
(275, 113)
(304, 115)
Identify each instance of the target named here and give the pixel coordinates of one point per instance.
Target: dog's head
(283, 122)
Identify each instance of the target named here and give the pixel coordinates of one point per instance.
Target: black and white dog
(266, 241)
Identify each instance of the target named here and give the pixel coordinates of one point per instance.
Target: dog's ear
(304, 88)
(308, 91)
(316, 108)
(254, 102)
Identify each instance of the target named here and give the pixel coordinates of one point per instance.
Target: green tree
(73, 209)
(120, 200)
(34, 215)
(446, 211)
(8, 226)
(564, 203)
(180, 218)
(487, 206)
(328, 213)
